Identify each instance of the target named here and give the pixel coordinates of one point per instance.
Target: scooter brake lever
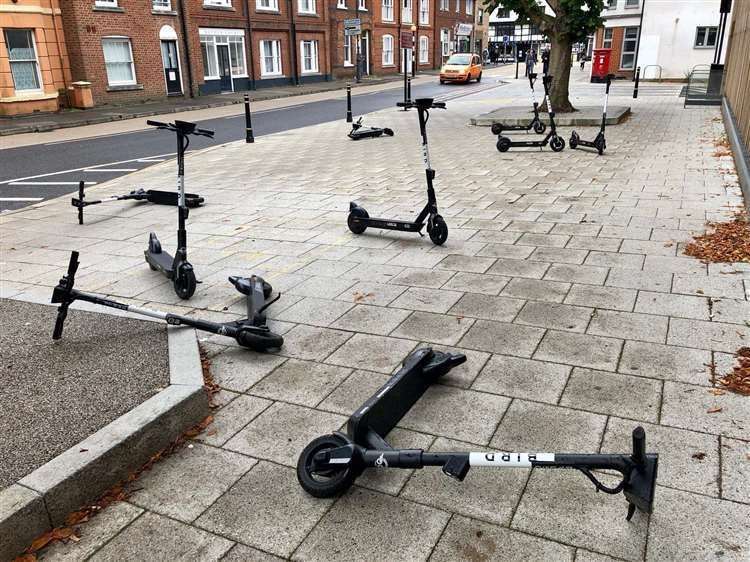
(269, 303)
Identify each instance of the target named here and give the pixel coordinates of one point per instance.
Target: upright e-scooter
(555, 141)
(359, 131)
(330, 464)
(535, 123)
(359, 219)
(176, 268)
(599, 143)
(251, 332)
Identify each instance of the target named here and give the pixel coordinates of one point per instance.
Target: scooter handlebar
(157, 124)
(204, 133)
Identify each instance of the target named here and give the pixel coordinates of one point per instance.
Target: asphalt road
(33, 173)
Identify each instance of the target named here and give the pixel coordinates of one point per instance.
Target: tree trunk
(559, 67)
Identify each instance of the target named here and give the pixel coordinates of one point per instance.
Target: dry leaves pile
(722, 147)
(209, 384)
(727, 242)
(739, 379)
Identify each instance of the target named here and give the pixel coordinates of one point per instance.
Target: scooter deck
(162, 261)
(390, 224)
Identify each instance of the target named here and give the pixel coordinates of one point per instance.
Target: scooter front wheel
(557, 144)
(357, 227)
(324, 483)
(497, 128)
(185, 282)
(600, 145)
(574, 140)
(539, 127)
(439, 231)
(388, 131)
(258, 340)
(503, 144)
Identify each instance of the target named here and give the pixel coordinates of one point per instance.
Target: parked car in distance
(461, 67)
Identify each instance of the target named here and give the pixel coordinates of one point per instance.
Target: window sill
(348, 65)
(110, 9)
(219, 8)
(388, 65)
(706, 47)
(124, 87)
(309, 72)
(268, 10)
(342, 8)
(271, 76)
(308, 14)
(164, 12)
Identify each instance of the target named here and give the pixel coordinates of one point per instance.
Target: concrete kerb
(587, 116)
(43, 499)
(739, 151)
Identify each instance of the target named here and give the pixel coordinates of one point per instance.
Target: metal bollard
(349, 118)
(248, 122)
(408, 89)
(637, 80)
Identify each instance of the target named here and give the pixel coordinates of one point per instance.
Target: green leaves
(576, 19)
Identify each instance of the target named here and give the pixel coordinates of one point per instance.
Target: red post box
(600, 64)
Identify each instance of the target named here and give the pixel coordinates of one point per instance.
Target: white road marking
(21, 199)
(49, 183)
(87, 170)
(150, 160)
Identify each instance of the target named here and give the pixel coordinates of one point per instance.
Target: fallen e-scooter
(359, 219)
(331, 463)
(599, 143)
(176, 268)
(556, 142)
(535, 123)
(251, 332)
(359, 131)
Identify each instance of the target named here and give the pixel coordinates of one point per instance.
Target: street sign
(352, 26)
(463, 28)
(352, 31)
(407, 41)
(353, 22)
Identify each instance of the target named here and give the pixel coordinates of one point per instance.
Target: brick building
(454, 23)
(34, 65)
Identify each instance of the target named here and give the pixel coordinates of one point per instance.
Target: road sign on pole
(352, 26)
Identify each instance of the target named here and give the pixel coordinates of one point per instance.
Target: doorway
(171, 67)
(225, 68)
(365, 50)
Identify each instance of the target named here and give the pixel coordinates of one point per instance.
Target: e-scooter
(556, 142)
(251, 332)
(359, 131)
(599, 143)
(176, 268)
(535, 123)
(330, 464)
(359, 219)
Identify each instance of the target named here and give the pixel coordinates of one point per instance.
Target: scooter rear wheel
(259, 341)
(539, 127)
(439, 231)
(497, 128)
(357, 213)
(388, 131)
(574, 140)
(557, 144)
(185, 283)
(327, 483)
(503, 144)
(600, 146)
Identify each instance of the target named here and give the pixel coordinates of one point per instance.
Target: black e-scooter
(556, 142)
(251, 332)
(359, 131)
(176, 268)
(359, 219)
(535, 123)
(599, 143)
(331, 463)
(155, 196)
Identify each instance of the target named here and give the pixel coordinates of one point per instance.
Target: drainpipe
(251, 66)
(293, 36)
(186, 46)
(638, 44)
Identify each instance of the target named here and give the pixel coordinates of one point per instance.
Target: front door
(365, 52)
(225, 68)
(171, 67)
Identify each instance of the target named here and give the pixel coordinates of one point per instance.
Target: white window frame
(213, 37)
(406, 10)
(36, 65)
(445, 5)
(218, 3)
(387, 10)
(161, 5)
(105, 3)
(362, 5)
(273, 6)
(469, 7)
(389, 61)
(705, 29)
(610, 5)
(275, 55)
(315, 66)
(605, 39)
(424, 49)
(445, 41)
(121, 38)
(630, 5)
(458, 6)
(341, 4)
(306, 7)
(623, 52)
(348, 50)
(424, 12)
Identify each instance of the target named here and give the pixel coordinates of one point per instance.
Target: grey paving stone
(153, 537)
(312, 343)
(487, 494)
(242, 553)
(353, 392)
(435, 328)
(183, 485)
(94, 534)
(314, 311)
(687, 460)
(416, 258)
(497, 337)
(530, 426)
(301, 382)
(366, 292)
(477, 283)
(649, 247)
(672, 305)
(562, 505)
(571, 273)
(612, 298)
(266, 509)
(559, 255)
(666, 362)
(238, 368)
(687, 526)
(421, 277)
(699, 409)
(724, 286)
(373, 353)
(582, 350)
(531, 226)
(321, 287)
(535, 289)
(469, 539)
(643, 280)
(494, 236)
(371, 319)
(426, 300)
(363, 522)
(552, 240)
(615, 260)
(609, 393)
(523, 378)
(506, 251)
(327, 268)
(489, 307)
(519, 268)
(717, 336)
(470, 264)
(673, 265)
(595, 243)
(282, 431)
(373, 272)
(634, 232)
(735, 470)
(731, 310)
(232, 417)
(643, 327)
(588, 556)
(556, 316)
(372, 255)
(464, 415)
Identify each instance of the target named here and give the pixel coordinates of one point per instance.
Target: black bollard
(408, 88)
(80, 198)
(637, 80)
(349, 118)
(248, 122)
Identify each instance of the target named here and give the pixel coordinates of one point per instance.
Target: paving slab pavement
(566, 237)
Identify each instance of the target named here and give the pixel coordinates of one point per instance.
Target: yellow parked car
(461, 67)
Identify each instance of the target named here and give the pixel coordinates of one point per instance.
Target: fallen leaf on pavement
(700, 456)
(714, 410)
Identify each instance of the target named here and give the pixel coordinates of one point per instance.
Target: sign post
(405, 42)
(353, 28)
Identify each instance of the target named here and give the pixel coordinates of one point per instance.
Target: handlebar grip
(156, 123)
(438, 104)
(639, 446)
(205, 132)
(404, 104)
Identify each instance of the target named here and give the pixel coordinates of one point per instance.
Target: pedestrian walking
(530, 60)
(545, 62)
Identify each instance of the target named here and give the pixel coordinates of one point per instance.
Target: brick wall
(615, 53)
(447, 19)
